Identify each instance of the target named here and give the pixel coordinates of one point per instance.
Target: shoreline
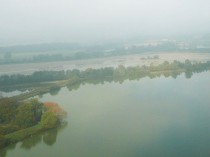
(125, 60)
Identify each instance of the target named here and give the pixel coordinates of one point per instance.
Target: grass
(22, 134)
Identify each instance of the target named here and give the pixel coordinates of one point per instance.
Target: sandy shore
(127, 60)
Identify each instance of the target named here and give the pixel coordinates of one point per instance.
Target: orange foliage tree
(55, 108)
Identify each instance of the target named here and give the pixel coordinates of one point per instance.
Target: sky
(37, 21)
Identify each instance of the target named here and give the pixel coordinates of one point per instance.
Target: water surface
(161, 117)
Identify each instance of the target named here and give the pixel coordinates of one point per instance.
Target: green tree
(3, 153)
(49, 120)
(3, 141)
(25, 115)
(37, 109)
(8, 108)
(120, 71)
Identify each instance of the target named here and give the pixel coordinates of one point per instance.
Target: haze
(36, 21)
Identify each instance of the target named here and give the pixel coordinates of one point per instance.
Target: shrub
(49, 120)
(3, 141)
(7, 129)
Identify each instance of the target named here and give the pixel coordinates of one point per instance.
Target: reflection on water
(14, 92)
(158, 117)
(120, 75)
(31, 142)
(48, 137)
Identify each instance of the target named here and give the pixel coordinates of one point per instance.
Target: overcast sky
(35, 21)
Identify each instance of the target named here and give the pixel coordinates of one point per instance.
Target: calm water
(161, 117)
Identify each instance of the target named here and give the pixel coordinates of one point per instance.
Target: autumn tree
(55, 108)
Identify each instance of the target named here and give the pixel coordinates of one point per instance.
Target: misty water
(157, 117)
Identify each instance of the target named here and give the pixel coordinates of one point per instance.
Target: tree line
(167, 69)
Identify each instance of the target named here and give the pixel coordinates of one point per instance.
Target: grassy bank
(24, 133)
(20, 135)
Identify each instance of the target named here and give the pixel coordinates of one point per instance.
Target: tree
(37, 109)
(28, 113)
(49, 120)
(55, 108)
(3, 141)
(25, 115)
(8, 108)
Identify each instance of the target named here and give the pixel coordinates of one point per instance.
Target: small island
(22, 119)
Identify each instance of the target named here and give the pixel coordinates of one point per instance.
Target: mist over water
(146, 104)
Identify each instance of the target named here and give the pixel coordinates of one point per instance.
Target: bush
(49, 120)
(3, 141)
(7, 129)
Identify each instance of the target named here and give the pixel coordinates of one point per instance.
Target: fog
(37, 21)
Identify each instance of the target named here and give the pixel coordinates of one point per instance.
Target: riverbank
(53, 81)
(22, 134)
(125, 60)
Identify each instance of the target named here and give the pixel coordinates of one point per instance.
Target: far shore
(126, 60)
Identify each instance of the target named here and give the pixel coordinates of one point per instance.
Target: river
(160, 117)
